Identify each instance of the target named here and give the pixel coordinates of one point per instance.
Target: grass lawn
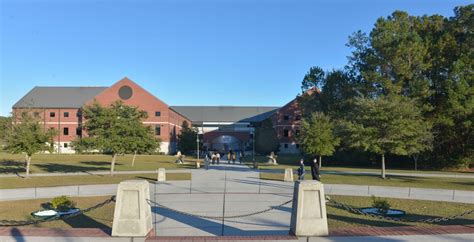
(48, 181)
(398, 181)
(43, 163)
(337, 218)
(292, 161)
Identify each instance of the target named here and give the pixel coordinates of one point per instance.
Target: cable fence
(10, 223)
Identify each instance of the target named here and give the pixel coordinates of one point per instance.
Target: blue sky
(184, 52)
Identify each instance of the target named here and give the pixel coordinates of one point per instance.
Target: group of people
(314, 170)
(232, 156)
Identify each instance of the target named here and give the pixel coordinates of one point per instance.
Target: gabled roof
(58, 97)
(198, 114)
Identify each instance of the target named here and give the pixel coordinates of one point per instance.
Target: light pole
(197, 144)
(253, 147)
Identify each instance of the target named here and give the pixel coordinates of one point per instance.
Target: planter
(49, 213)
(45, 214)
(390, 213)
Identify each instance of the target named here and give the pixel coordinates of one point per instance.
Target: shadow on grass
(151, 180)
(100, 163)
(54, 167)
(408, 216)
(11, 166)
(84, 221)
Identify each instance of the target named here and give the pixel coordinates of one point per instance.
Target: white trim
(286, 125)
(162, 123)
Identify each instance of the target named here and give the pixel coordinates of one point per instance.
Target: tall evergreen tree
(266, 139)
(187, 139)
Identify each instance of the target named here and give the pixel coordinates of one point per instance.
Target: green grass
(292, 161)
(337, 218)
(49, 181)
(45, 163)
(398, 181)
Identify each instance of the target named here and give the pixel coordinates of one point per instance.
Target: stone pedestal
(161, 175)
(308, 216)
(288, 175)
(132, 216)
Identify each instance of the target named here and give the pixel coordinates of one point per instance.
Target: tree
(116, 130)
(27, 136)
(317, 136)
(187, 139)
(388, 125)
(266, 139)
(5, 123)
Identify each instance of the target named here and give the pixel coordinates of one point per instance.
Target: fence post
(132, 216)
(308, 215)
(288, 175)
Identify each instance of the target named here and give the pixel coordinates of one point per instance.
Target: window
(79, 131)
(52, 114)
(66, 131)
(297, 146)
(157, 130)
(286, 146)
(298, 117)
(36, 114)
(65, 145)
(66, 114)
(78, 114)
(286, 117)
(157, 114)
(286, 133)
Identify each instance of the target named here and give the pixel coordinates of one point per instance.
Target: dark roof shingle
(198, 114)
(58, 97)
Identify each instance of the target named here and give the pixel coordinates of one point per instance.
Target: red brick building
(223, 127)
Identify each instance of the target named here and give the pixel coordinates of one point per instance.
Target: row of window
(66, 114)
(53, 114)
(286, 132)
(79, 130)
(287, 117)
(285, 146)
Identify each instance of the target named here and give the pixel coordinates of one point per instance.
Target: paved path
(370, 173)
(234, 190)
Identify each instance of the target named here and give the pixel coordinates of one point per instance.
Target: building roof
(199, 114)
(58, 97)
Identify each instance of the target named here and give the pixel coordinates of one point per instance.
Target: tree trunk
(320, 162)
(112, 167)
(28, 161)
(133, 160)
(383, 166)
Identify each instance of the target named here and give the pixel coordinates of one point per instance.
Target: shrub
(382, 205)
(62, 203)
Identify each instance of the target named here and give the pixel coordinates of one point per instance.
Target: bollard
(198, 165)
(161, 175)
(288, 175)
(308, 215)
(132, 216)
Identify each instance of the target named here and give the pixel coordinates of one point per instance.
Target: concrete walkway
(369, 173)
(239, 179)
(228, 190)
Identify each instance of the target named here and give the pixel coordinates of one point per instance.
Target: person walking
(301, 171)
(315, 170)
(218, 158)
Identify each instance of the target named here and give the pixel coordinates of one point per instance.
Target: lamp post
(253, 147)
(197, 144)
